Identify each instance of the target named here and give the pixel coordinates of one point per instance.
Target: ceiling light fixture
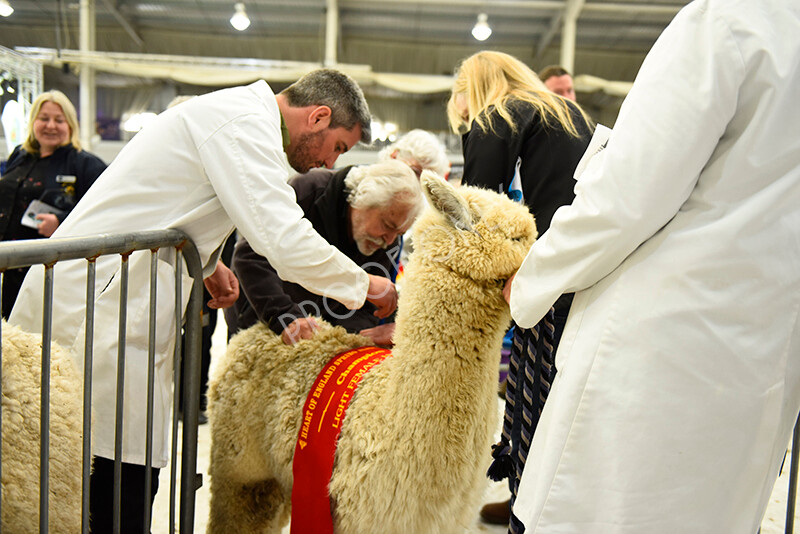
(481, 31)
(5, 8)
(239, 20)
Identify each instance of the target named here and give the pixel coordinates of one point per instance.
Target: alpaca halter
(323, 416)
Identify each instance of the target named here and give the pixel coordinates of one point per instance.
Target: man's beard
(369, 246)
(300, 157)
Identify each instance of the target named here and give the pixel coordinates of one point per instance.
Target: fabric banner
(314, 453)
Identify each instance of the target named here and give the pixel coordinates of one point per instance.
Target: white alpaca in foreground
(415, 443)
(21, 386)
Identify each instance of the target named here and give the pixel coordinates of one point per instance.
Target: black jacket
(60, 180)
(548, 157)
(264, 296)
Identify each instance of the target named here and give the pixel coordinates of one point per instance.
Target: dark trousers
(209, 323)
(12, 283)
(101, 498)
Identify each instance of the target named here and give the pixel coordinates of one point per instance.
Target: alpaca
(415, 443)
(21, 435)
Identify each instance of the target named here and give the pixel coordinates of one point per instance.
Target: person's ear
(319, 118)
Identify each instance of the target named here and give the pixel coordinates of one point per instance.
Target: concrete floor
(494, 492)
(773, 522)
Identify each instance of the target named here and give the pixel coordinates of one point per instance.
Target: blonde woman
(521, 139)
(49, 166)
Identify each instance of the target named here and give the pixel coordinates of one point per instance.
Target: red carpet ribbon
(323, 415)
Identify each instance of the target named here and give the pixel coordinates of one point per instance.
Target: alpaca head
(477, 233)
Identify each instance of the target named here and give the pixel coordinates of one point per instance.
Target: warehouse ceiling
(623, 25)
(412, 37)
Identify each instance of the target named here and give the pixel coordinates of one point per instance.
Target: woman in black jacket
(44, 178)
(525, 141)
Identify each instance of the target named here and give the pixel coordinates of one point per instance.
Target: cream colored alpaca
(20, 453)
(415, 444)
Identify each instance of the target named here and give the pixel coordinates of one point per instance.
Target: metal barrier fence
(15, 254)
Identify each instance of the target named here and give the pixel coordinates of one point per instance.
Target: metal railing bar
(190, 480)
(151, 366)
(14, 254)
(88, 350)
(44, 407)
(176, 380)
(122, 337)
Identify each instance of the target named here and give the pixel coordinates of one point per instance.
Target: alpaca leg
(258, 507)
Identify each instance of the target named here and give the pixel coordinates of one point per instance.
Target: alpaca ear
(444, 199)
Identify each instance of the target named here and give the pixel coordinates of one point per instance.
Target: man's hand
(302, 328)
(507, 289)
(48, 225)
(380, 335)
(383, 294)
(223, 287)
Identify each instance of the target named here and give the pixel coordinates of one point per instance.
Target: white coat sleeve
(681, 102)
(250, 181)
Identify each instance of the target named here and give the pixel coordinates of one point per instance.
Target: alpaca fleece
(415, 443)
(22, 371)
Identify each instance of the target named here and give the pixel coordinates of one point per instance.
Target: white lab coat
(679, 367)
(206, 166)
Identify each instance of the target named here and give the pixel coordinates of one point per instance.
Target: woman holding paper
(44, 179)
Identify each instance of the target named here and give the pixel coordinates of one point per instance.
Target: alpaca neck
(447, 313)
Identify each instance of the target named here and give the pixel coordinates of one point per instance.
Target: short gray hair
(382, 184)
(421, 146)
(338, 91)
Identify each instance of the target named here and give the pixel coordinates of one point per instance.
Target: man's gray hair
(382, 184)
(421, 146)
(338, 91)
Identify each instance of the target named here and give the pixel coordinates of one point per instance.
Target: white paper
(35, 208)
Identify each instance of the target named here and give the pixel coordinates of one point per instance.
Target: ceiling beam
(331, 32)
(566, 21)
(547, 37)
(568, 35)
(123, 22)
(554, 5)
(483, 4)
(648, 9)
(87, 90)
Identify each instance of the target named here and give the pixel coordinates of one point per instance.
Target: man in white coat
(679, 367)
(206, 166)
